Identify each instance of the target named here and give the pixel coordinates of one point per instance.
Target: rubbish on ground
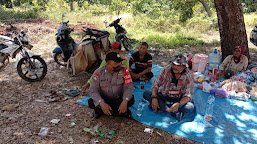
(43, 131)
(148, 130)
(88, 130)
(73, 92)
(8, 108)
(159, 133)
(70, 139)
(72, 123)
(42, 101)
(55, 121)
(161, 54)
(100, 133)
(96, 141)
(60, 98)
(67, 115)
(97, 126)
(64, 89)
(110, 134)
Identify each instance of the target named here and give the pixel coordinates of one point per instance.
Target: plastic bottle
(200, 124)
(140, 108)
(210, 104)
(129, 54)
(214, 60)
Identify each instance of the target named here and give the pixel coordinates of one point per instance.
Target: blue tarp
(233, 122)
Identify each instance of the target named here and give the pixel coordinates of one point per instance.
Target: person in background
(143, 63)
(176, 89)
(115, 47)
(111, 89)
(233, 64)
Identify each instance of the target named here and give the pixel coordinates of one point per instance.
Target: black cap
(114, 57)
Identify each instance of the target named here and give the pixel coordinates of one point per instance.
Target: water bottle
(200, 124)
(140, 108)
(129, 54)
(210, 104)
(214, 60)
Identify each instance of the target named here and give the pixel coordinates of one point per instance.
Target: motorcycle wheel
(126, 43)
(32, 73)
(59, 58)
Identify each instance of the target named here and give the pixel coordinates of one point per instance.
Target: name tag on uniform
(174, 92)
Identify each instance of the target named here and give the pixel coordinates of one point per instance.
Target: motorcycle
(253, 36)
(30, 67)
(121, 34)
(67, 45)
(65, 42)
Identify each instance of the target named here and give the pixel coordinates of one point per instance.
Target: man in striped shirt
(176, 89)
(143, 63)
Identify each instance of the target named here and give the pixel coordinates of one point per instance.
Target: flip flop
(73, 92)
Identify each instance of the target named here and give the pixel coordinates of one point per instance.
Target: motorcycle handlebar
(13, 28)
(114, 22)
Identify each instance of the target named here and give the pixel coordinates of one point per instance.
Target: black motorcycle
(67, 45)
(253, 36)
(121, 34)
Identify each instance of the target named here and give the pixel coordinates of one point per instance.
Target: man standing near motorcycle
(143, 63)
(115, 47)
(111, 89)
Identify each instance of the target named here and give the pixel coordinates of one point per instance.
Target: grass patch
(6, 14)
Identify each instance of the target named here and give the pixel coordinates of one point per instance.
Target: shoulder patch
(127, 77)
(96, 75)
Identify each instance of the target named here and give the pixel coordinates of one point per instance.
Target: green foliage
(18, 14)
(172, 40)
(162, 23)
(7, 3)
(185, 7)
(249, 5)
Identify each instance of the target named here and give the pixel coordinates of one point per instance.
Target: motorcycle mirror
(64, 15)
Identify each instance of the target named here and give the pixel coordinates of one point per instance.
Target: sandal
(73, 92)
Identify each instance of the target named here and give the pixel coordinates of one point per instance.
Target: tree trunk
(206, 7)
(71, 5)
(231, 26)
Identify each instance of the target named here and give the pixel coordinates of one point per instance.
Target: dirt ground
(33, 109)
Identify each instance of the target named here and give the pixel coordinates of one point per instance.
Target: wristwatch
(180, 104)
(154, 96)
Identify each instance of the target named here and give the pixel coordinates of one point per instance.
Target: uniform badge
(96, 75)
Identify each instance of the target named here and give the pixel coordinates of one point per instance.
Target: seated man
(176, 89)
(143, 63)
(115, 47)
(111, 88)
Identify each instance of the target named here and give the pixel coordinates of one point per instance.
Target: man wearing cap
(115, 47)
(176, 85)
(111, 88)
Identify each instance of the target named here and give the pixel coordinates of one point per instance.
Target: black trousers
(149, 75)
(114, 104)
